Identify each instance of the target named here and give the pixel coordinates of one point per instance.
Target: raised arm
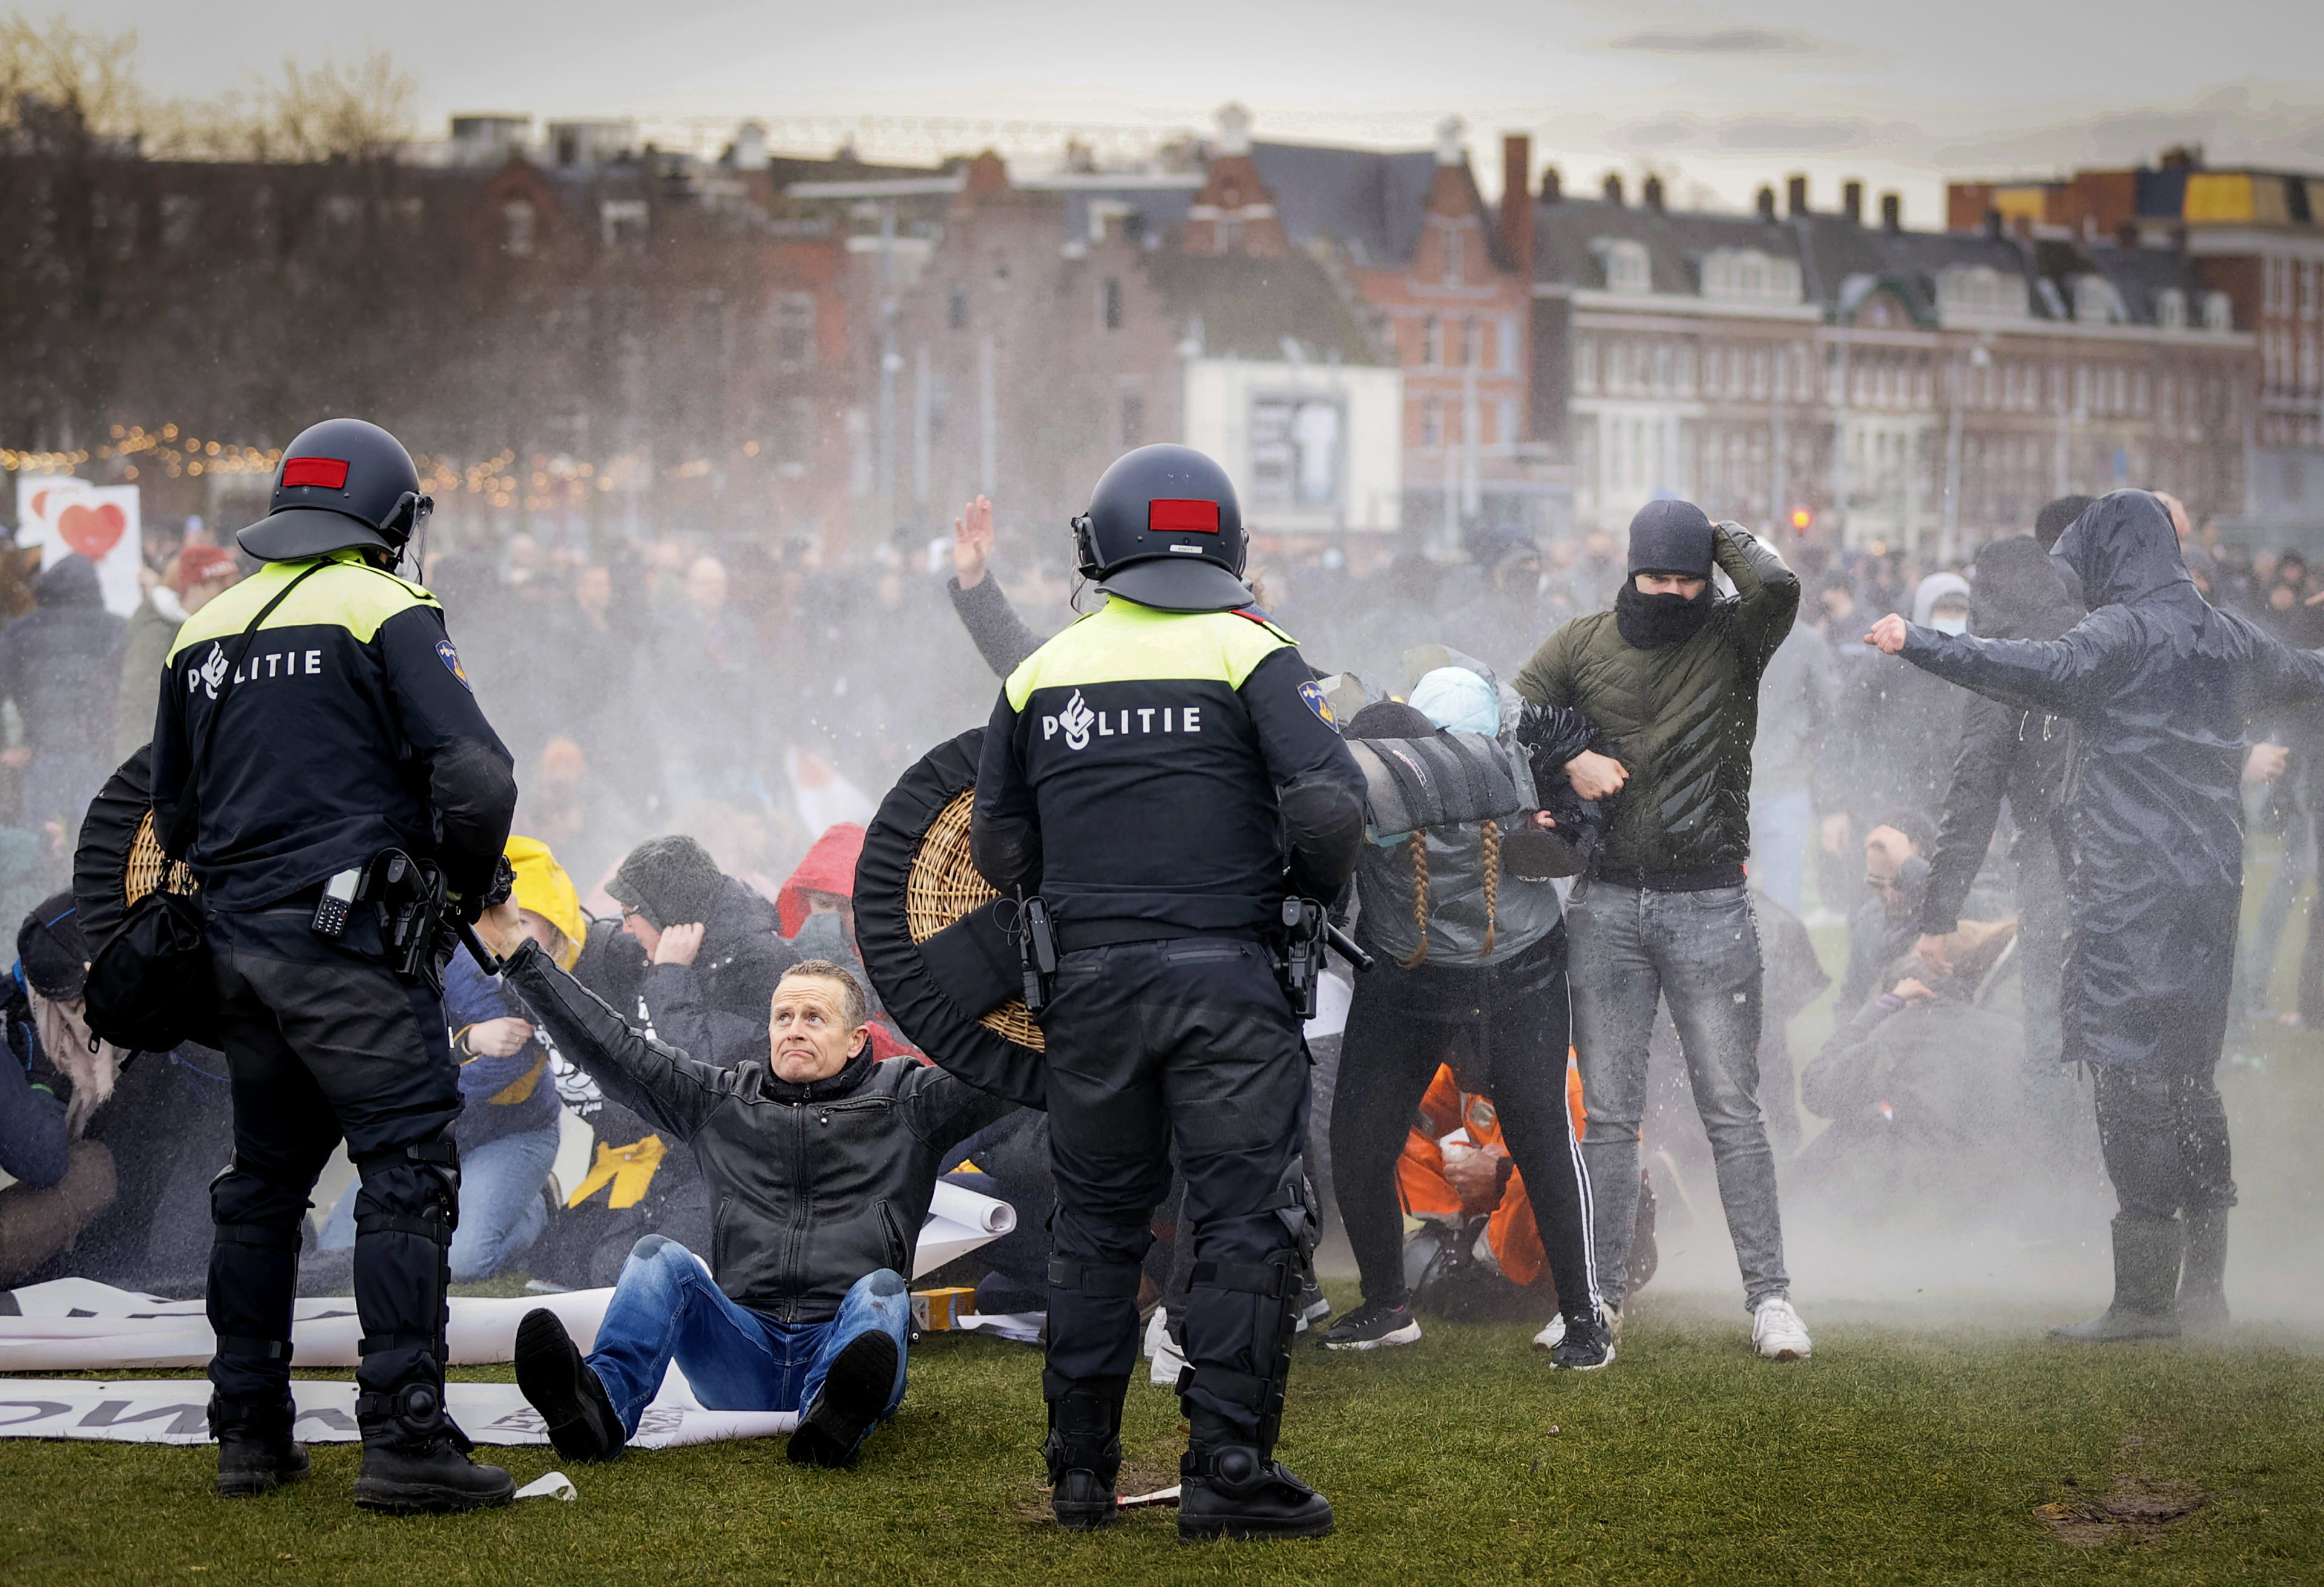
(2066, 676)
(678, 1094)
(1769, 589)
(943, 1110)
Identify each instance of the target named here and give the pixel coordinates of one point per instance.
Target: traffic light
(1801, 518)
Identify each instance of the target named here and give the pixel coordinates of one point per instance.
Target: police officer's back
(293, 763)
(1160, 773)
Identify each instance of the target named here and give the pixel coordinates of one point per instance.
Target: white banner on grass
(160, 1411)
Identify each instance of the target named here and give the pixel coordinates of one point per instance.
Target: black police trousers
(2162, 1129)
(329, 1043)
(1190, 1040)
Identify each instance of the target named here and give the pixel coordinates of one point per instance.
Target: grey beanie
(1671, 536)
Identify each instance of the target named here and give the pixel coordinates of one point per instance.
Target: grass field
(1890, 1457)
(1935, 1437)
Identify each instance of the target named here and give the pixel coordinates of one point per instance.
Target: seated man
(822, 1161)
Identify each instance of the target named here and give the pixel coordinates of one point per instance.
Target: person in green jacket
(1671, 676)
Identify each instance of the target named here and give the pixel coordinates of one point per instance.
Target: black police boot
(848, 1405)
(2203, 1274)
(1230, 1487)
(1085, 1455)
(559, 1384)
(256, 1454)
(415, 1458)
(2146, 1257)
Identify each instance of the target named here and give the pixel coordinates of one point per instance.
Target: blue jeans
(1781, 823)
(1632, 949)
(501, 1212)
(666, 1308)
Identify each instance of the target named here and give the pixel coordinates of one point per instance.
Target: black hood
(71, 583)
(2020, 593)
(2123, 549)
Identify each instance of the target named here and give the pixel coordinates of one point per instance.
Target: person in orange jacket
(1474, 1175)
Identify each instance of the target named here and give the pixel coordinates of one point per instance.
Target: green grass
(1890, 1457)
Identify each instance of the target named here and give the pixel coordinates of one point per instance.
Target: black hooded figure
(2159, 685)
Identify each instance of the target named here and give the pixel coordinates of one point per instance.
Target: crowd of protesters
(702, 727)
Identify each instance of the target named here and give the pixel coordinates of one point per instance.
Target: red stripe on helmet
(330, 472)
(1167, 515)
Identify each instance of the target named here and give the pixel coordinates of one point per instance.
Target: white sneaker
(1777, 1333)
(1163, 1352)
(1551, 1337)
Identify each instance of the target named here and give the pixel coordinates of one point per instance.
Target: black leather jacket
(814, 1185)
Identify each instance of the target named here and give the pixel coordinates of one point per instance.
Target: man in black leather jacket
(822, 1163)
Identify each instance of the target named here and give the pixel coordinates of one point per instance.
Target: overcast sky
(1716, 97)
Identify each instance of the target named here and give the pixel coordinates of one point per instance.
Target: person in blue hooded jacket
(2159, 686)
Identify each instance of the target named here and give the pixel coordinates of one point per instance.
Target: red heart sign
(92, 530)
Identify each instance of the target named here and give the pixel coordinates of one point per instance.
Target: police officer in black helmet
(1162, 774)
(319, 760)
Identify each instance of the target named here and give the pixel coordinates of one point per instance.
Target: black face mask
(1655, 623)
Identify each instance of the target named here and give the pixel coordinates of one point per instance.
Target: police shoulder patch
(1313, 694)
(451, 660)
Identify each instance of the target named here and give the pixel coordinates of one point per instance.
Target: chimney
(1552, 186)
(1516, 201)
(2126, 233)
(1993, 226)
(1651, 193)
(1614, 188)
(1234, 129)
(1795, 191)
(1892, 212)
(1852, 202)
(1767, 204)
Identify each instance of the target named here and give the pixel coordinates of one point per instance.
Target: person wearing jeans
(668, 1308)
(1671, 676)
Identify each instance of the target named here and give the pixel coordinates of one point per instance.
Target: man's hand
(498, 1038)
(1543, 820)
(501, 927)
(678, 943)
(1936, 952)
(1914, 992)
(1833, 833)
(2265, 763)
(972, 543)
(1887, 635)
(1474, 1176)
(1595, 776)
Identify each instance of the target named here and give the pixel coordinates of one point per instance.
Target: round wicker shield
(150, 868)
(935, 934)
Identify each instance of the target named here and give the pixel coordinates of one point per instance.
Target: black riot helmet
(342, 483)
(1164, 530)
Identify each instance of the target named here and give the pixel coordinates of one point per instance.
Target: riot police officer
(1161, 773)
(320, 761)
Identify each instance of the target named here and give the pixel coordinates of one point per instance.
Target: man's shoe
(559, 1384)
(430, 1478)
(1555, 1331)
(1231, 1491)
(1084, 1454)
(1777, 1333)
(2146, 1262)
(1313, 1305)
(853, 1397)
(252, 1462)
(1371, 1327)
(1587, 1345)
(2203, 1274)
(1083, 1501)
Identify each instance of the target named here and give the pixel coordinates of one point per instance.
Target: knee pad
(422, 1178)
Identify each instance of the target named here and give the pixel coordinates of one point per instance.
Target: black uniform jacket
(351, 728)
(1147, 768)
(815, 1185)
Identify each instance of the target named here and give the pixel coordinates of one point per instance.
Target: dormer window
(1750, 275)
(1979, 291)
(2218, 314)
(2095, 302)
(2170, 309)
(1628, 266)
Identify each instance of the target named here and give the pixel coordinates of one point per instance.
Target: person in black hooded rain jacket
(2018, 751)
(2159, 685)
(60, 663)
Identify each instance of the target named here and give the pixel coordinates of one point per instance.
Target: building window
(1507, 416)
(1507, 362)
(1431, 341)
(1452, 274)
(516, 227)
(794, 318)
(1748, 275)
(1432, 423)
(1294, 450)
(2170, 309)
(2216, 313)
(1627, 265)
(956, 307)
(2095, 302)
(1112, 311)
(1469, 348)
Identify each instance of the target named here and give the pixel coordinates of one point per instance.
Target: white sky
(1715, 96)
